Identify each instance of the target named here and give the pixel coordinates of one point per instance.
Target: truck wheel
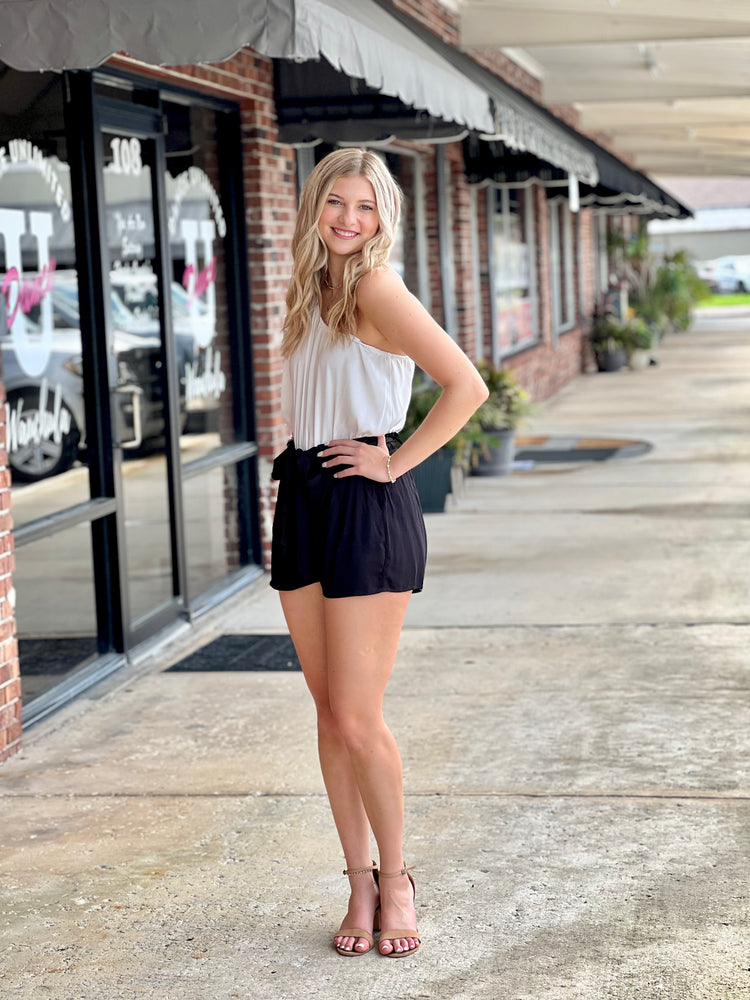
(32, 460)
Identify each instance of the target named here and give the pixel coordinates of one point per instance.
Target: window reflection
(55, 608)
(211, 525)
(513, 255)
(40, 335)
(197, 231)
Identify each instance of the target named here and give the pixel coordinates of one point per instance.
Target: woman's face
(350, 216)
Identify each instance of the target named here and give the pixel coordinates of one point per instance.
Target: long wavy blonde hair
(310, 254)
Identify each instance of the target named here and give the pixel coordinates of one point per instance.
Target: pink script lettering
(30, 291)
(201, 281)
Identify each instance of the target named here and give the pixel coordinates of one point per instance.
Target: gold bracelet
(388, 470)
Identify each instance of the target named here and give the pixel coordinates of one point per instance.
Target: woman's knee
(359, 731)
(328, 727)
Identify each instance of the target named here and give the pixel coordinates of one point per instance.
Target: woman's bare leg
(362, 635)
(305, 616)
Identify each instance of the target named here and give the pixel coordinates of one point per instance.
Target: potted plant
(433, 476)
(662, 291)
(617, 343)
(637, 337)
(606, 342)
(507, 405)
(667, 301)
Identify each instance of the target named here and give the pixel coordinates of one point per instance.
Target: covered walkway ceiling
(668, 80)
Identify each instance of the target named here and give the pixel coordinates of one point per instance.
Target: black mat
(564, 454)
(54, 655)
(241, 652)
(560, 455)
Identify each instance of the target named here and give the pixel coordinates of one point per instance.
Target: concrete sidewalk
(571, 699)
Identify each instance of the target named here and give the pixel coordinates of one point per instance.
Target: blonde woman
(349, 542)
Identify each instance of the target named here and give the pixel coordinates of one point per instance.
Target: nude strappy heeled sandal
(399, 932)
(359, 932)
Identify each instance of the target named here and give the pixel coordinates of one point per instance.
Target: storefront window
(197, 230)
(41, 339)
(44, 415)
(197, 215)
(562, 265)
(210, 502)
(167, 448)
(514, 276)
(55, 608)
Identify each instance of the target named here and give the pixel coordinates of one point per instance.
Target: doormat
(241, 652)
(577, 449)
(54, 654)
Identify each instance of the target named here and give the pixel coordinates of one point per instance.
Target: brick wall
(10, 677)
(485, 287)
(463, 252)
(435, 16)
(433, 236)
(509, 71)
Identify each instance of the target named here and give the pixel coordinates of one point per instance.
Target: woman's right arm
(384, 302)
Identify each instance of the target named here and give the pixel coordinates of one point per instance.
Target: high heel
(359, 932)
(394, 935)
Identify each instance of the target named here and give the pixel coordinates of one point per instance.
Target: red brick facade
(10, 677)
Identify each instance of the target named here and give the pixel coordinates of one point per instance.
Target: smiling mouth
(345, 234)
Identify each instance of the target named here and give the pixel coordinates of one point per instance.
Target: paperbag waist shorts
(353, 536)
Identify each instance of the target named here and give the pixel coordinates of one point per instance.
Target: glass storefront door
(139, 360)
(124, 328)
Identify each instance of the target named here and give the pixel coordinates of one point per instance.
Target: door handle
(136, 394)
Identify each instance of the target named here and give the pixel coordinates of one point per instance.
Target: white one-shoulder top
(346, 390)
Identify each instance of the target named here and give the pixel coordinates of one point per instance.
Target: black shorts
(353, 536)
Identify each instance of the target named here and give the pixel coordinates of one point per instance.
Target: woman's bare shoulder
(380, 281)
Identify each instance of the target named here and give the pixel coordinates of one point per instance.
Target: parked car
(727, 275)
(705, 271)
(45, 414)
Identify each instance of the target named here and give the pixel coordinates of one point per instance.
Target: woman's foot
(397, 893)
(355, 934)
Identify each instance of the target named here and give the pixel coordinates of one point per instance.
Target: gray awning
(522, 126)
(82, 34)
(362, 40)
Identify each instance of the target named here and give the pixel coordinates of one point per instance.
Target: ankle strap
(403, 871)
(361, 871)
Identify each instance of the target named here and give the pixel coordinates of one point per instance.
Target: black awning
(317, 103)
(623, 189)
(491, 161)
(620, 190)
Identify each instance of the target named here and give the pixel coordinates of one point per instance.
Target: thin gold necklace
(327, 283)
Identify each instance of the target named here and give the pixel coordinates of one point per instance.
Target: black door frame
(146, 124)
(85, 112)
